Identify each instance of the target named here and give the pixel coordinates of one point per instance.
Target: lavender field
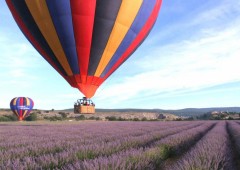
(183, 145)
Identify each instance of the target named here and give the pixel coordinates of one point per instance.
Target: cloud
(186, 66)
(193, 20)
(17, 58)
(216, 12)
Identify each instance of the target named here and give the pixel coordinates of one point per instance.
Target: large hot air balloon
(21, 106)
(85, 40)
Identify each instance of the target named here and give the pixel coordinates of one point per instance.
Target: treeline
(8, 118)
(82, 117)
(62, 116)
(113, 118)
(220, 116)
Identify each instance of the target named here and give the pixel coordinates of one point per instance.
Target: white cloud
(210, 15)
(186, 66)
(17, 59)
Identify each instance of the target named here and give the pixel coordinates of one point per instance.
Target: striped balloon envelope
(85, 40)
(21, 106)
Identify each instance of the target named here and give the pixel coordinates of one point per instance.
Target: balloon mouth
(88, 84)
(20, 118)
(88, 89)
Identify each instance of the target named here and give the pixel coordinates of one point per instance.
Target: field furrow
(150, 157)
(234, 133)
(213, 152)
(181, 145)
(51, 152)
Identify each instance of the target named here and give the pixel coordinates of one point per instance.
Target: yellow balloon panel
(40, 13)
(127, 13)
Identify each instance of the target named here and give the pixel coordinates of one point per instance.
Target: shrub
(32, 117)
(7, 118)
(81, 117)
(154, 119)
(165, 151)
(144, 119)
(178, 119)
(135, 119)
(63, 114)
(4, 119)
(111, 118)
(53, 118)
(121, 119)
(12, 117)
(92, 118)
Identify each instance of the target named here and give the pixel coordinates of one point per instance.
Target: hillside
(179, 112)
(100, 115)
(149, 114)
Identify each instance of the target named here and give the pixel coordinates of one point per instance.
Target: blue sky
(190, 59)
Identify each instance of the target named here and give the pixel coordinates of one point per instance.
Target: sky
(191, 59)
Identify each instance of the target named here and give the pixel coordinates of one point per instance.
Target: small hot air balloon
(85, 40)
(21, 106)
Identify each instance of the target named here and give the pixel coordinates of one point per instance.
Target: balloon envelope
(85, 40)
(21, 106)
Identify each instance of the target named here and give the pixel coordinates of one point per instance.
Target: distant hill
(179, 112)
(138, 113)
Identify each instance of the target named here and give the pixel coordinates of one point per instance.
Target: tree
(81, 117)
(32, 117)
(63, 114)
(111, 118)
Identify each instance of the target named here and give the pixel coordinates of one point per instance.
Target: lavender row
(180, 142)
(84, 150)
(82, 131)
(76, 152)
(174, 145)
(234, 129)
(140, 158)
(37, 148)
(212, 152)
(69, 134)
